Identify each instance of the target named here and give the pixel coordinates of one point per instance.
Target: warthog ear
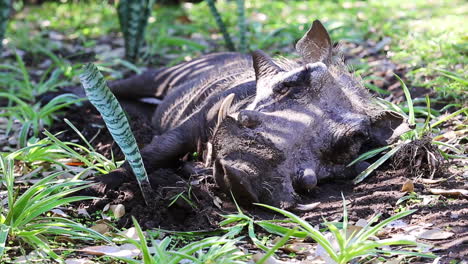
(387, 126)
(315, 45)
(264, 65)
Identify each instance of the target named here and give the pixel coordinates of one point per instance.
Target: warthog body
(272, 128)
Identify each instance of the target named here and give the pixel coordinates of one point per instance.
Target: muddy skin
(271, 129)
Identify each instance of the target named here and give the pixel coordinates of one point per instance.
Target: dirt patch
(89, 122)
(165, 211)
(205, 202)
(377, 194)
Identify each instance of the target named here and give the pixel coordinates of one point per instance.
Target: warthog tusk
(225, 105)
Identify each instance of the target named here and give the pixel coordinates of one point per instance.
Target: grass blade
(369, 154)
(411, 119)
(452, 115)
(4, 230)
(312, 232)
(376, 164)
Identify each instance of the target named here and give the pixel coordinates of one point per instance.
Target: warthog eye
(289, 88)
(282, 88)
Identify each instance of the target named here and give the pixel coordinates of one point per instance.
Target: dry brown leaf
(298, 248)
(118, 210)
(452, 192)
(64, 239)
(432, 181)
(101, 228)
(435, 234)
(125, 250)
(408, 186)
(352, 230)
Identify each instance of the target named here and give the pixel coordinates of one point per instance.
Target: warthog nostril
(249, 118)
(306, 180)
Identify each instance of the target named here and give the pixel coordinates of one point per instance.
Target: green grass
(427, 37)
(346, 244)
(23, 217)
(426, 128)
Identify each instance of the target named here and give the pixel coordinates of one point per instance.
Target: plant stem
(242, 25)
(222, 27)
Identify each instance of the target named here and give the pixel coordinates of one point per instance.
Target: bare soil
(379, 193)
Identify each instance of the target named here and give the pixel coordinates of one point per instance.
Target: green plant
(116, 121)
(19, 81)
(208, 250)
(237, 223)
(4, 16)
(23, 216)
(34, 118)
(222, 27)
(242, 25)
(53, 150)
(133, 18)
(351, 245)
(419, 130)
(187, 198)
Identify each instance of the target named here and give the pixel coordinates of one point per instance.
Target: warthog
(271, 128)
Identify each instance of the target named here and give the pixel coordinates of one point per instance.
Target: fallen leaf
(130, 233)
(452, 192)
(435, 234)
(352, 230)
(83, 212)
(322, 253)
(79, 261)
(298, 248)
(432, 181)
(64, 239)
(125, 250)
(59, 213)
(397, 224)
(101, 228)
(427, 199)
(408, 186)
(75, 164)
(118, 210)
(361, 222)
(106, 208)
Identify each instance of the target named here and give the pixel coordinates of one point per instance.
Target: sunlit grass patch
(23, 217)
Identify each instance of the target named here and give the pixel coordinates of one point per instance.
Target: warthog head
(308, 120)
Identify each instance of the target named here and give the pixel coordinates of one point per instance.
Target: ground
(411, 39)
